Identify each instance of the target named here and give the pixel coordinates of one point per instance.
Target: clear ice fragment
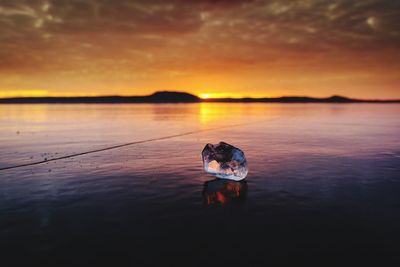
(224, 161)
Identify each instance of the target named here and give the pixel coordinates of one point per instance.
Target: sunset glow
(209, 48)
(23, 93)
(226, 95)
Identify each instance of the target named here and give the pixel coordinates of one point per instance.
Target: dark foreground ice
(323, 189)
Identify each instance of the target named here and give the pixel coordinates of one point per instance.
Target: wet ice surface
(324, 183)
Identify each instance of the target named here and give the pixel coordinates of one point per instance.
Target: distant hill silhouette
(157, 97)
(299, 99)
(290, 99)
(169, 97)
(181, 97)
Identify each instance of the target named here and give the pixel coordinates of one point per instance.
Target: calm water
(323, 186)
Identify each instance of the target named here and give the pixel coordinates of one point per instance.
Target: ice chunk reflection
(223, 191)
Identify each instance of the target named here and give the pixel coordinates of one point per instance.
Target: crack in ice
(118, 146)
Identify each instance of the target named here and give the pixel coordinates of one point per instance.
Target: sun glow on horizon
(145, 92)
(46, 93)
(229, 95)
(42, 93)
(23, 93)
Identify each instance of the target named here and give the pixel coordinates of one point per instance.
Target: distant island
(181, 97)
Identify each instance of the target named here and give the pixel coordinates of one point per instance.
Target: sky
(211, 48)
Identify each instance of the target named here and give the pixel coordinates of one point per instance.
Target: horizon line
(197, 95)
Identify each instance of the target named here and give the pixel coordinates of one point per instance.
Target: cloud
(85, 37)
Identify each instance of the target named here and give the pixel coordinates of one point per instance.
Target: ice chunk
(224, 161)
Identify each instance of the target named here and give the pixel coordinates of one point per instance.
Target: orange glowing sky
(212, 48)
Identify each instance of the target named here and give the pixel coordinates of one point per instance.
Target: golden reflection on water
(232, 112)
(209, 112)
(24, 113)
(202, 113)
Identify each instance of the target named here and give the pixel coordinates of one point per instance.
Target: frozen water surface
(324, 184)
